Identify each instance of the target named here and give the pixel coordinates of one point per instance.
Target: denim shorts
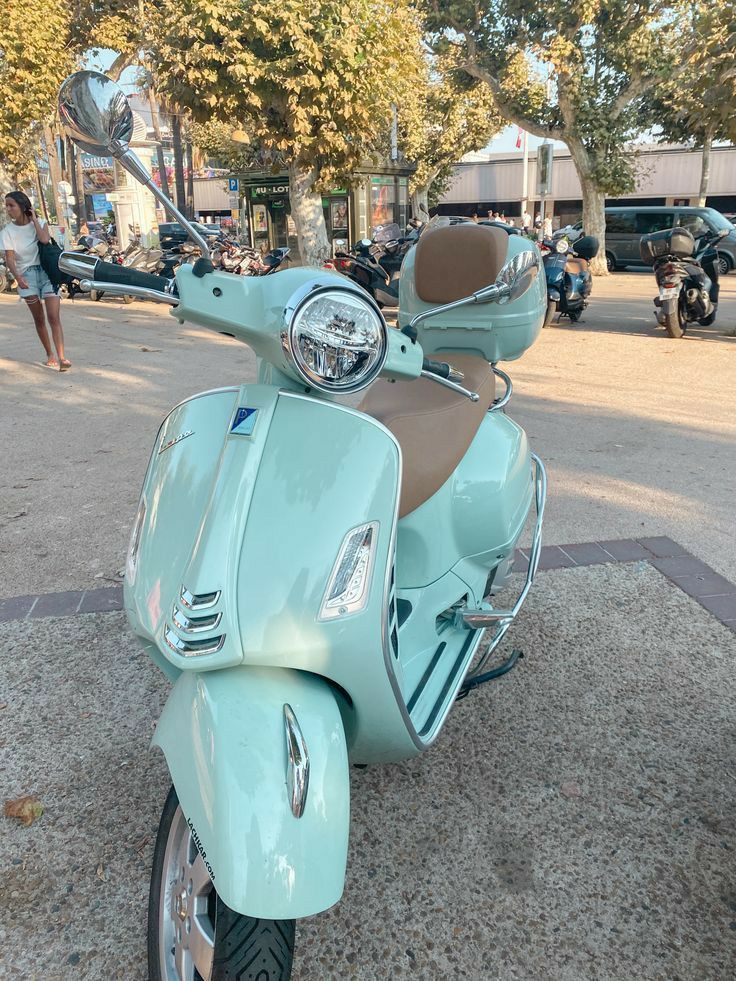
(39, 283)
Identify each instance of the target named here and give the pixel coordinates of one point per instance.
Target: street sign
(65, 187)
(234, 202)
(233, 184)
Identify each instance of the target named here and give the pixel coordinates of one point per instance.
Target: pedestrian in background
(526, 221)
(20, 240)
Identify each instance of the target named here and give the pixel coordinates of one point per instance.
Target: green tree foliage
(35, 56)
(447, 116)
(575, 72)
(311, 80)
(699, 107)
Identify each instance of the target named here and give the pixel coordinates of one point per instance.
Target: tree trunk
(178, 161)
(79, 191)
(54, 172)
(705, 169)
(420, 203)
(190, 181)
(594, 208)
(309, 218)
(156, 123)
(41, 195)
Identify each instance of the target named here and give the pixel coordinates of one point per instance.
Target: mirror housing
(95, 113)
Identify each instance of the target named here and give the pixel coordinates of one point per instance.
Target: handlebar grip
(111, 272)
(441, 368)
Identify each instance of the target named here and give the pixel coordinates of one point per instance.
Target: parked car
(625, 227)
(171, 233)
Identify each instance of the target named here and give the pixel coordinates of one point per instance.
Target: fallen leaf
(3, 705)
(151, 350)
(100, 873)
(25, 809)
(570, 791)
(85, 715)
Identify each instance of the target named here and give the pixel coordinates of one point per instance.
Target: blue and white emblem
(244, 421)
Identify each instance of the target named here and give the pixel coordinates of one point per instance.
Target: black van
(625, 226)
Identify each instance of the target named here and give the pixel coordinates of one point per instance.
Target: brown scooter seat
(456, 261)
(434, 426)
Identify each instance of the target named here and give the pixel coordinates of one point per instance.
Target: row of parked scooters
(226, 253)
(686, 270)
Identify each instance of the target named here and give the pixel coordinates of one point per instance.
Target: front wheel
(673, 323)
(192, 934)
(611, 262)
(127, 299)
(551, 311)
(3, 282)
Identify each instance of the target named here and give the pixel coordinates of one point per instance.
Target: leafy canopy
(442, 119)
(35, 57)
(311, 80)
(575, 72)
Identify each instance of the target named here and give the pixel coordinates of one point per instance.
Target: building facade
(666, 175)
(261, 206)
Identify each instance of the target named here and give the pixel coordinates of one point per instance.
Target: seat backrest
(455, 261)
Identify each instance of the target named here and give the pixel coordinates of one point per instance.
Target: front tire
(673, 323)
(192, 934)
(549, 315)
(611, 262)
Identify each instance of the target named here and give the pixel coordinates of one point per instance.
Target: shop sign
(270, 189)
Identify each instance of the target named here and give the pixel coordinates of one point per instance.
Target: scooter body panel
(223, 736)
(225, 522)
(481, 509)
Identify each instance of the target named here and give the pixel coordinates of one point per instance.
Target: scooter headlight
(336, 340)
(562, 245)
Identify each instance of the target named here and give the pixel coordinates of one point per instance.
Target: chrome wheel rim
(186, 930)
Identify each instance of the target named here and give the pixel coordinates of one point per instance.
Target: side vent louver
(183, 637)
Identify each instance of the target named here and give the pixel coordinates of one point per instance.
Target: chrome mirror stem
(135, 168)
(488, 294)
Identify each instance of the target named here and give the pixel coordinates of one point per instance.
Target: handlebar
(442, 369)
(122, 279)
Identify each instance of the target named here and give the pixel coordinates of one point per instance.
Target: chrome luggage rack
(483, 619)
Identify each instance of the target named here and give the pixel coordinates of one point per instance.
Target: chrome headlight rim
(562, 246)
(294, 306)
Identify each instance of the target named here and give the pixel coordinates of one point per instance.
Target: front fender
(223, 736)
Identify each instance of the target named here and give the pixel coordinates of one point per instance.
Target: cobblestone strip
(698, 580)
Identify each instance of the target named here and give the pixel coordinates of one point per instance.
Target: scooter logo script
(202, 852)
(176, 439)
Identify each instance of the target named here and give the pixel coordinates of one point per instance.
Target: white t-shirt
(22, 239)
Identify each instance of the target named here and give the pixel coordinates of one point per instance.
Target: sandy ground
(575, 820)
(637, 430)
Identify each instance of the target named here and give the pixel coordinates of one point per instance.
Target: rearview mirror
(514, 279)
(95, 113)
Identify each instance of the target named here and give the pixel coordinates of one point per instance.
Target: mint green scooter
(314, 578)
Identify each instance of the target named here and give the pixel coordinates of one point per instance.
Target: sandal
(51, 363)
(64, 365)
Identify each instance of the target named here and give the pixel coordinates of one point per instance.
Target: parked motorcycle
(687, 275)
(569, 281)
(314, 579)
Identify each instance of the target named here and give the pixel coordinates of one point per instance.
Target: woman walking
(20, 240)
